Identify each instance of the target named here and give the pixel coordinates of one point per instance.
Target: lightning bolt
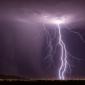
(63, 56)
(64, 65)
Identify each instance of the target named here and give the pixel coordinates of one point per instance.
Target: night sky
(23, 41)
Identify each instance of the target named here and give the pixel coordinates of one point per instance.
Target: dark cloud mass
(23, 41)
